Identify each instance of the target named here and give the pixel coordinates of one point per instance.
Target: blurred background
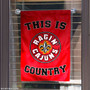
(15, 43)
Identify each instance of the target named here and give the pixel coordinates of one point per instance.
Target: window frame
(85, 42)
(4, 44)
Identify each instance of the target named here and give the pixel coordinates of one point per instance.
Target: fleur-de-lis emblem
(45, 47)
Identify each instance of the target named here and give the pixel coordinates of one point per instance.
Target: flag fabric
(45, 45)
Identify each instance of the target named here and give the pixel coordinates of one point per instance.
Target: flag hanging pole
(18, 11)
(73, 11)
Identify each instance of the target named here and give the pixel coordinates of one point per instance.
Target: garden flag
(45, 45)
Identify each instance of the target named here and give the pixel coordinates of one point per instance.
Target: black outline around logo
(52, 59)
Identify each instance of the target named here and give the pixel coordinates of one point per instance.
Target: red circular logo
(45, 47)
